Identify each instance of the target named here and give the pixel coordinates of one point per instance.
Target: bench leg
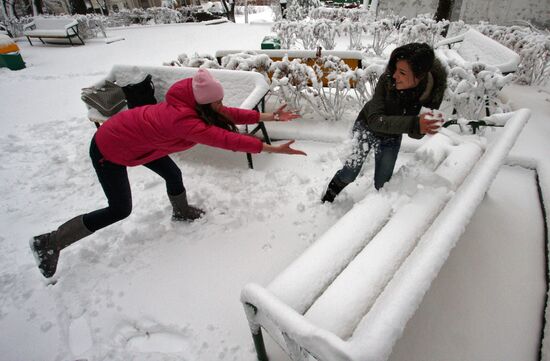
(29, 39)
(256, 330)
(82, 41)
(70, 40)
(42, 41)
(249, 159)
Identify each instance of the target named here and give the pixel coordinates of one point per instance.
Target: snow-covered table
(242, 89)
(473, 46)
(349, 296)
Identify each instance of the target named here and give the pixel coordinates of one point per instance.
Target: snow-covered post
(246, 11)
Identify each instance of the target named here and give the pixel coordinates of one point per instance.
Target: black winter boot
(182, 211)
(46, 247)
(334, 188)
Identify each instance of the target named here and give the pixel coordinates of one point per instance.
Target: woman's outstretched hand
(280, 115)
(282, 149)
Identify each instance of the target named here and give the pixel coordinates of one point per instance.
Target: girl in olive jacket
(413, 79)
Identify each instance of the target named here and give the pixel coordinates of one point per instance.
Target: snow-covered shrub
(290, 79)
(91, 25)
(286, 31)
(325, 31)
(298, 10)
(164, 15)
(195, 61)
(383, 33)
(304, 33)
(301, 86)
(532, 45)
(248, 61)
(341, 14)
(355, 31)
(422, 29)
(474, 89)
(365, 80)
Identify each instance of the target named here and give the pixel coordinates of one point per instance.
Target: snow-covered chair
(242, 89)
(473, 46)
(349, 296)
(52, 28)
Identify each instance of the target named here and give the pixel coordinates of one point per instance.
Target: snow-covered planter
(421, 29)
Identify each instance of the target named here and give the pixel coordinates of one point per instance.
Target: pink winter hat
(206, 89)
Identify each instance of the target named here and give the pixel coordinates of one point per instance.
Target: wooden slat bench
(242, 89)
(52, 28)
(349, 296)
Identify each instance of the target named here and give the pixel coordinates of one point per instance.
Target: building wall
(503, 12)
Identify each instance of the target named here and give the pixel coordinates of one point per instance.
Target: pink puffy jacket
(141, 135)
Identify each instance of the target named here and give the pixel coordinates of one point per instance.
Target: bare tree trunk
(444, 9)
(229, 6)
(37, 7)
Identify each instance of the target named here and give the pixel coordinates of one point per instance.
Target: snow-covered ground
(150, 289)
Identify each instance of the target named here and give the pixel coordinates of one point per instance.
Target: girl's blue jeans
(385, 156)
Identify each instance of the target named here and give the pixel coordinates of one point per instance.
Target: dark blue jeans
(114, 181)
(385, 156)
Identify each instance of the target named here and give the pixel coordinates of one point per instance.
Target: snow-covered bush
(422, 29)
(473, 90)
(341, 14)
(532, 45)
(195, 61)
(286, 32)
(384, 32)
(301, 86)
(248, 61)
(355, 31)
(91, 25)
(298, 10)
(325, 31)
(365, 80)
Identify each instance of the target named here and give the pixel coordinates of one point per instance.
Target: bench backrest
(479, 47)
(242, 89)
(52, 23)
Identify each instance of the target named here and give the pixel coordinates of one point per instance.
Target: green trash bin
(12, 61)
(271, 42)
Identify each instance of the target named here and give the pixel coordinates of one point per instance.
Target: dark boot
(334, 188)
(46, 247)
(182, 210)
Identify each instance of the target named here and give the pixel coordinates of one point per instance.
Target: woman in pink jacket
(192, 113)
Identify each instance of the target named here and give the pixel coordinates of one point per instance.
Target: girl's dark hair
(419, 55)
(212, 117)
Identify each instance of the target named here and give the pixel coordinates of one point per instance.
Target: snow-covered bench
(473, 46)
(50, 28)
(242, 89)
(349, 296)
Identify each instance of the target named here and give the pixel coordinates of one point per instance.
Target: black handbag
(108, 99)
(141, 93)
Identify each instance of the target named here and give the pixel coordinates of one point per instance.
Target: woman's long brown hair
(212, 117)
